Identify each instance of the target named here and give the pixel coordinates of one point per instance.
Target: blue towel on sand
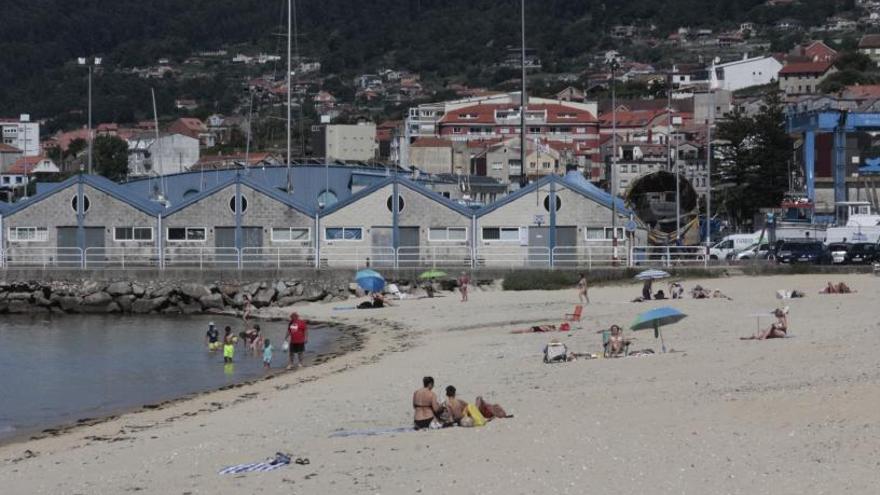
(371, 432)
(280, 460)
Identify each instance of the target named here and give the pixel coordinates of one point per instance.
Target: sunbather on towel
(777, 330)
(490, 411)
(453, 409)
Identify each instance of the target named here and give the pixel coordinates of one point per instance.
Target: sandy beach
(719, 415)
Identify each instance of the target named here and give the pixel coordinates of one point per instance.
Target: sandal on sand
(302, 461)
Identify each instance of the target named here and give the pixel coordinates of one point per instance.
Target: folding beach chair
(576, 316)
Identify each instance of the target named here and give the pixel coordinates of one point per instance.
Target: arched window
(327, 198)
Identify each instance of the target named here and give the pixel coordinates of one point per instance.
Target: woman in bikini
(582, 288)
(777, 330)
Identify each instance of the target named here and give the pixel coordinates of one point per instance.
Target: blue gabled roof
(416, 187)
(195, 198)
(278, 196)
(4, 206)
(578, 182)
(589, 191)
(355, 197)
(100, 183)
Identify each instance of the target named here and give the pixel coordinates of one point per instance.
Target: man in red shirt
(297, 336)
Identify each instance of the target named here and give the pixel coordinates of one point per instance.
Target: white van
(732, 244)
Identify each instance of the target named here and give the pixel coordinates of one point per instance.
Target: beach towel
(371, 432)
(279, 461)
(475, 414)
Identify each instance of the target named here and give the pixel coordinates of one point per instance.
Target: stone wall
(160, 296)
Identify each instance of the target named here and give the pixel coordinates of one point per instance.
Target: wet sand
(719, 415)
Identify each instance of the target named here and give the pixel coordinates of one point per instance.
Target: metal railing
(435, 257)
(121, 257)
(277, 257)
(585, 256)
(42, 257)
(669, 256)
(201, 257)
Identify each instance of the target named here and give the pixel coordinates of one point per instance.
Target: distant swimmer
(212, 337)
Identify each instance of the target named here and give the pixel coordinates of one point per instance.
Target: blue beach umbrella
(370, 280)
(655, 319)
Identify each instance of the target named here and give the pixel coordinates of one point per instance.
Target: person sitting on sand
(453, 409)
(700, 293)
(425, 406)
(777, 330)
(660, 295)
(676, 290)
(616, 344)
(717, 294)
(842, 288)
(829, 289)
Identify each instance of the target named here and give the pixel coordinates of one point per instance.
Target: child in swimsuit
(267, 354)
(228, 346)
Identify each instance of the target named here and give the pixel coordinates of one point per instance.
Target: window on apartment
(609, 233)
(133, 234)
(497, 166)
(501, 234)
(187, 234)
(28, 234)
(447, 234)
(546, 165)
(456, 130)
(6, 180)
(343, 233)
(594, 234)
(534, 130)
(289, 234)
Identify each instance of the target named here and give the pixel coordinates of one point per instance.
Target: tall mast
(523, 100)
(289, 86)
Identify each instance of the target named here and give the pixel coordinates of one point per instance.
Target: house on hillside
(194, 128)
(804, 78)
(870, 45)
(171, 153)
(25, 169)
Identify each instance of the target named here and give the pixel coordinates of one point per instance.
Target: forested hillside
(40, 39)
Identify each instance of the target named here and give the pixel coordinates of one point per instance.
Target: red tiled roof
(485, 114)
(870, 41)
(637, 118)
(24, 165)
(431, 142)
(820, 51)
(863, 91)
(806, 68)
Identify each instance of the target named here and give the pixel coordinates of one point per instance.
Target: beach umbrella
(657, 318)
(370, 280)
(432, 274)
(652, 275)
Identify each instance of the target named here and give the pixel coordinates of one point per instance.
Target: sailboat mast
(289, 86)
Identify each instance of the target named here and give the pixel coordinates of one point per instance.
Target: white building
(21, 133)
(346, 142)
(739, 74)
(173, 153)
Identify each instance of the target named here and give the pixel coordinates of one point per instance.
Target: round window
(327, 198)
(74, 203)
(547, 203)
(244, 204)
(400, 203)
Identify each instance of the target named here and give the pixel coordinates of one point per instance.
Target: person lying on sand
(777, 330)
(699, 292)
(717, 294)
(491, 411)
(840, 288)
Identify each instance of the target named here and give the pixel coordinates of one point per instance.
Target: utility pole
(523, 100)
(289, 87)
(669, 159)
(614, 65)
(710, 117)
(91, 64)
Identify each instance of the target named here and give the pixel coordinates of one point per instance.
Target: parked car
(803, 252)
(761, 252)
(862, 253)
(839, 252)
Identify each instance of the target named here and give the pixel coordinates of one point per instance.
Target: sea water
(60, 369)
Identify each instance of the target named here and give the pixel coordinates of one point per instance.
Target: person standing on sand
(463, 282)
(582, 288)
(425, 405)
(297, 336)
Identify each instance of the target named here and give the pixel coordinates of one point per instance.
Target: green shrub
(567, 279)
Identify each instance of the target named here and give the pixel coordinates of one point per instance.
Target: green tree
(752, 170)
(111, 157)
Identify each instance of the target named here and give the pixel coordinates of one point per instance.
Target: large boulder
(19, 296)
(263, 298)
(19, 307)
(212, 301)
(90, 287)
(40, 299)
(194, 291)
(162, 291)
(190, 308)
(125, 302)
(69, 303)
(251, 289)
(119, 289)
(143, 306)
(113, 308)
(229, 290)
(97, 299)
(138, 290)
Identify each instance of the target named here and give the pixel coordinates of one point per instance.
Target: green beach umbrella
(655, 319)
(431, 274)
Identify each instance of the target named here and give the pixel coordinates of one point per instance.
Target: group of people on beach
(252, 339)
(430, 413)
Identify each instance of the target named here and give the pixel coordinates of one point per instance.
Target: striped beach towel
(280, 460)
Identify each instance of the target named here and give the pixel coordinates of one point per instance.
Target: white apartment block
(21, 133)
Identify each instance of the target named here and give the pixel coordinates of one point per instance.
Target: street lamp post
(91, 64)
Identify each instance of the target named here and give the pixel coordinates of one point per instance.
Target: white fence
(588, 256)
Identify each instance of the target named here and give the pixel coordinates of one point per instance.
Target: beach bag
(555, 352)
(475, 414)
(285, 346)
